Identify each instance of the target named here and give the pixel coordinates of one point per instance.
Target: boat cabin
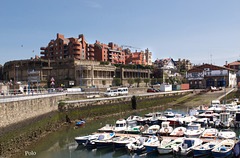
(194, 127)
(121, 123)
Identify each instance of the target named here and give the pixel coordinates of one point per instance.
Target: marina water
(61, 144)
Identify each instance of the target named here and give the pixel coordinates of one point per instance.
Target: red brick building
(142, 58)
(65, 48)
(78, 48)
(111, 52)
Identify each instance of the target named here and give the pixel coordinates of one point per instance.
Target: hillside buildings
(207, 75)
(70, 72)
(79, 48)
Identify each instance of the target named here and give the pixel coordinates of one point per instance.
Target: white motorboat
(132, 119)
(106, 128)
(224, 120)
(84, 139)
(227, 134)
(99, 139)
(210, 133)
(178, 132)
(138, 145)
(104, 140)
(122, 142)
(152, 144)
(168, 113)
(152, 130)
(166, 129)
(223, 149)
(168, 147)
(187, 120)
(186, 146)
(194, 131)
(121, 126)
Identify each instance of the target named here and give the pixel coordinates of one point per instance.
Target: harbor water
(61, 144)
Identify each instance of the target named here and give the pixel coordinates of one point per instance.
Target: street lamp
(17, 71)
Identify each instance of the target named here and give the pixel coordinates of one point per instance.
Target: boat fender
(141, 128)
(166, 130)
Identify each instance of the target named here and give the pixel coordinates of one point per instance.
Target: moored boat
(121, 126)
(194, 131)
(137, 146)
(122, 142)
(223, 149)
(152, 130)
(84, 139)
(205, 149)
(152, 144)
(103, 140)
(81, 123)
(210, 133)
(227, 134)
(178, 132)
(168, 148)
(106, 128)
(186, 146)
(166, 128)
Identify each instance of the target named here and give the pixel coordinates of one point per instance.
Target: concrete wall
(17, 111)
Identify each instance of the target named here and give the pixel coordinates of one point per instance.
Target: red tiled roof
(235, 63)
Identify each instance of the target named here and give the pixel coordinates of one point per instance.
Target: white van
(111, 93)
(122, 91)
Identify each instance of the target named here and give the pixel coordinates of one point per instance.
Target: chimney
(226, 63)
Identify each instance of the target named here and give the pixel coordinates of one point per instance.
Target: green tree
(104, 82)
(146, 80)
(160, 80)
(138, 80)
(117, 81)
(153, 80)
(134, 102)
(130, 81)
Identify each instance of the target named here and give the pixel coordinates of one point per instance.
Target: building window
(104, 55)
(200, 82)
(60, 57)
(60, 52)
(195, 82)
(191, 82)
(56, 53)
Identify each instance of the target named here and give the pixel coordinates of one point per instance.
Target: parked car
(151, 90)
(111, 93)
(157, 90)
(60, 89)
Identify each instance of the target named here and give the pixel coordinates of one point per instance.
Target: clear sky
(191, 29)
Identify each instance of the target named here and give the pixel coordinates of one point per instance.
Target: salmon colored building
(111, 52)
(62, 48)
(78, 48)
(142, 58)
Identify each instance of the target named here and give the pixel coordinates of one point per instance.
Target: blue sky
(192, 29)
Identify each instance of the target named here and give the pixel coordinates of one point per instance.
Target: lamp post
(80, 75)
(17, 71)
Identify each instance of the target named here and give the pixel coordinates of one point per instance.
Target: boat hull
(151, 149)
(103, 144)
(165, 150)
(199, 153)
(119, 146)
(221, 154)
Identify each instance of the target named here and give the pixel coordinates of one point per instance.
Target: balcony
(91, 45)
(43, 52)
(76, 47)
(42, 48)
(91, 54)
(76, 53)
(91, 49)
